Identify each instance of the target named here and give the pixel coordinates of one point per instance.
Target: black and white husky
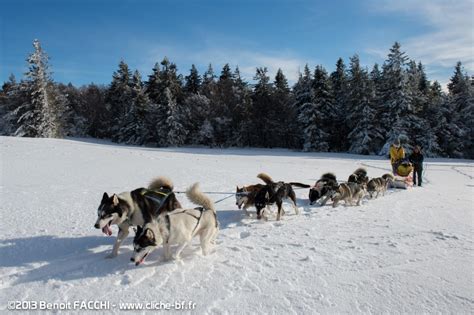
(133, 208)
(324, 189)
(178, 227)
(274, 193)
(359, 176)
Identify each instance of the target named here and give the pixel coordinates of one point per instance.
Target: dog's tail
(388, 176)
(329, 176)
(266, 178)
(161, 182)
(196, 196)
(299, 185)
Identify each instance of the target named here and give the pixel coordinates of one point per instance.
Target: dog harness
(198, 218)
(159, 197)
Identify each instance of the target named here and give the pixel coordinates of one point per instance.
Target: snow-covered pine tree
(262, 124)
(418, 99)
(302, 95)
(165, 78)
(95, 110)
(339, 87)
(134, 129)
(118, 99)
(376, 78)
(283, 112)
(460, 120)
(198, 110)
(424, 83)
(365, 136)
(396, 99)
(26, 116)
(311, 131)
(324, 101)
(39, 115)
(10, 99)
(223, 108)
(303, 89)
(316, 116)
(168, 116)
(242, 112)
(176, 135)
(76, 124)
(208, 87)
(435, 113)
(193, 81)
(172, 80)
(420, 132)
(376, 82)
(154, 92)
(153, 85)
(468, 113)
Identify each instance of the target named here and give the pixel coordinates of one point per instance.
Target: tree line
(352, 109)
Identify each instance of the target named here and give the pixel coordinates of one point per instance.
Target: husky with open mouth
(130, 209)
(178, 227)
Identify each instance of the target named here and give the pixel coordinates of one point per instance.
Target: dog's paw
(111, 255)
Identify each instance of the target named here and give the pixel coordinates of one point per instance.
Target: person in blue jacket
(416, 158)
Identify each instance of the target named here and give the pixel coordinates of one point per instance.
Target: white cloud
(449, 37)
(450, 34)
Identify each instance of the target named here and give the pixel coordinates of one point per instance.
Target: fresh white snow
(410, 251)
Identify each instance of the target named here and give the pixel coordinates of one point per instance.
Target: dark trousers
(417, 172)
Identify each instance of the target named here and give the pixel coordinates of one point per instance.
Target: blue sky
(86, 39)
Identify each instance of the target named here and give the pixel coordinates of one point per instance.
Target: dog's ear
(237, 188)
(150, 235)
(105, 197)
(115, 200)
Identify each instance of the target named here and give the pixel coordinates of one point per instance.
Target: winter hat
(396, 142)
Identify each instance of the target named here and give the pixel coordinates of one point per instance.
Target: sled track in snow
(455, 168)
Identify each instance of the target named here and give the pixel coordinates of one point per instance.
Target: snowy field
(410, 251)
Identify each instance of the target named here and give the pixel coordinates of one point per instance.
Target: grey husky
(350, 193)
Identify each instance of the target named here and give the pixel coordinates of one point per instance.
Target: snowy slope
(410, 251)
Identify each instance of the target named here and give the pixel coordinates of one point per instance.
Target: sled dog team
(158, 217)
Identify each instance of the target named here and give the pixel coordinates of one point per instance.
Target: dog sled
(404, 177)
